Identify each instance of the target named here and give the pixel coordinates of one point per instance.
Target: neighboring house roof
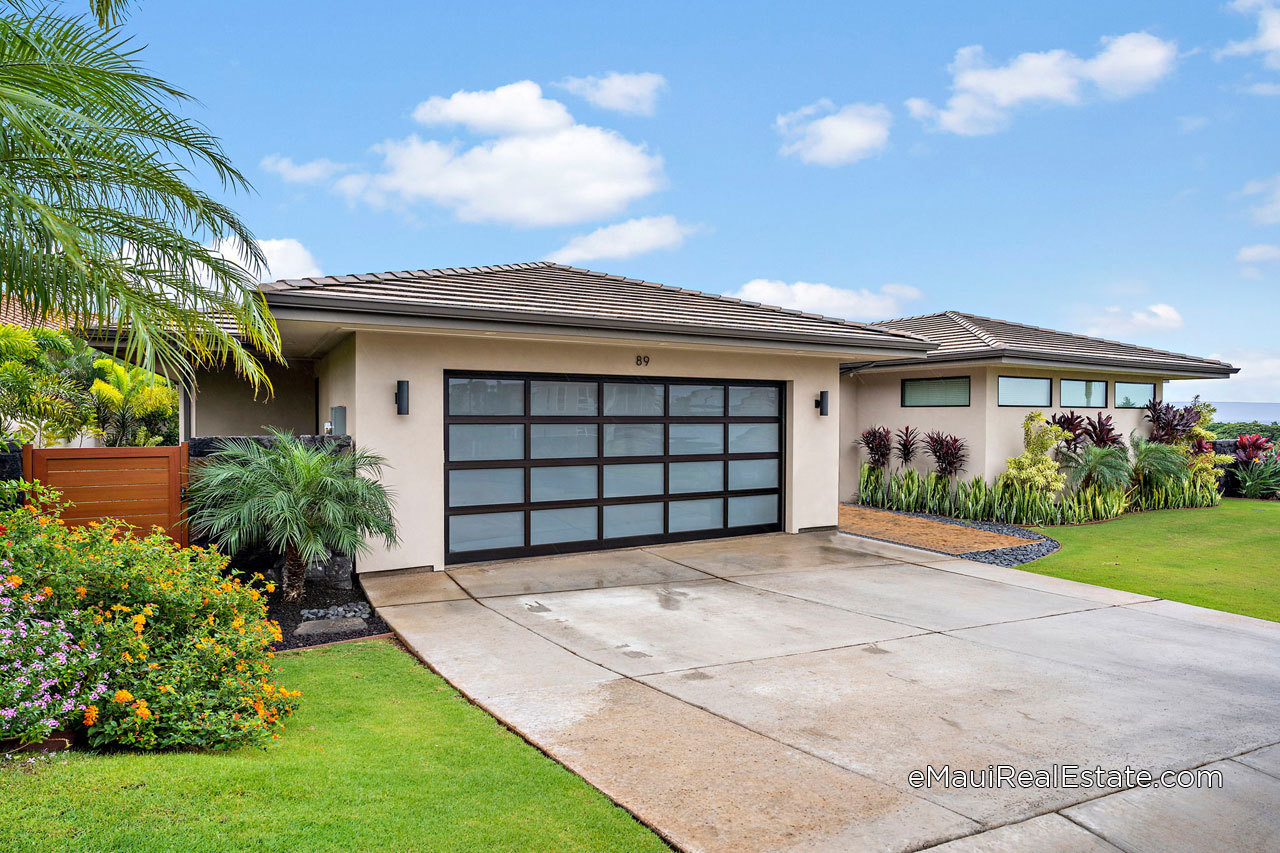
(968, 337)
(550, 294)
(12, 314)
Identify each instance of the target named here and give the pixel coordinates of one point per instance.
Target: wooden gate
(140, 485)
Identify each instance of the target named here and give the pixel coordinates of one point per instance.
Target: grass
(382, 755)
(1226, 558)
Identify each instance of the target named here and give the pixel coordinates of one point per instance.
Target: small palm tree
(1088, 465)
(304, 500)
(39, 401)
(135, 406)
(1156, 465)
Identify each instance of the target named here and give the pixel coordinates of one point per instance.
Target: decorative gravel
(1008, 557)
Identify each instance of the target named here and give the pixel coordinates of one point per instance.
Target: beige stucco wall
(994, 432)
(414, 443)
(336, 373)
(225, 404)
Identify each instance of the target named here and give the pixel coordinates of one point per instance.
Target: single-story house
(538, 408)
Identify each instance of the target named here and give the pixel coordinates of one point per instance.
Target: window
(951, 391)
(1025, 391)
(1134, 395)
(1083, 392)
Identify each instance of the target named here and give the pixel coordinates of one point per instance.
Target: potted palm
(302, 500)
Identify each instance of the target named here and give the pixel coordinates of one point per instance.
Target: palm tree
(39, 401)
(99, 225)
(304, 500)
(1089, 465)
(134, 405)
(1155, 465)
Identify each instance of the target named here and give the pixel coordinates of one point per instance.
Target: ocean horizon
(1236, 412)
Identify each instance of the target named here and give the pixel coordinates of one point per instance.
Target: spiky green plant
(39, 401)
(100, 224)
(306, 501)
(1089, 466)
(136, 408)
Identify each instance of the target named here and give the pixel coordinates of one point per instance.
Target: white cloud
(1257, 382)
(1258, 253)
(825, 135)
(1264, 89)
(514, 108)
(1190, 124)
(624, 240)
(1267, 40)
(302, 173)
(542, 169)
(625, 93)
(1268, 212)
(984, 95)
(286, 258)
(1117, 322)
(817, 298)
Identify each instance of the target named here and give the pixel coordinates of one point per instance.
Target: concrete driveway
(776, 693)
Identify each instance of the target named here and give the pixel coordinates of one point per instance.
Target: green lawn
(1226, 558)
(383, 755)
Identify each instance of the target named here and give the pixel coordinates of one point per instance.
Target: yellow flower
(123, 696)
(139, 622)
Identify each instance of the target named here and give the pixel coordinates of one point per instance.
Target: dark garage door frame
(599, 460)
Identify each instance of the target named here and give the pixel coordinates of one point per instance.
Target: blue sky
(1097, 167)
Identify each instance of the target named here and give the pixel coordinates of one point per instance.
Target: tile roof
(555, 294)
(962, 336)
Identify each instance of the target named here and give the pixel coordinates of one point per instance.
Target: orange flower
(91, 715)
(14, 580)
(139, 622)
(144, 712)
(123, 696)
(47, 591)
(81, 592)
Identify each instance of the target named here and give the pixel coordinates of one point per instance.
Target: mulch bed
(982, 541)
(315, 596)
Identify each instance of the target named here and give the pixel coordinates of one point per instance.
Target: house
(538, 408)
(985, 375)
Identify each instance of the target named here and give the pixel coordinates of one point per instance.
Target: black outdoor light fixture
(823, 403)
(402, 397)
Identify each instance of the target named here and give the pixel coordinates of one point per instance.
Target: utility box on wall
(338, 420)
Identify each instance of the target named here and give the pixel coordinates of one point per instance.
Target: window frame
(1152, 398)
(1106, 394)
(902, 392)
(1046, 405)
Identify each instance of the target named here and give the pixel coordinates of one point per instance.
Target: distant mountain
(1229, 413)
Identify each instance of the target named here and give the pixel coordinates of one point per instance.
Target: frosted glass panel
(633, 439)
(557, 441)
(753, 474)
(753, 438)
(632, 520)
(486, 530)
(632, 400)
(696, 477)
(756, 509)
(643, 478)
(690, 439)
(697, 400)
(485, 441)
(478, 486)
(562, 398)
(697, 515)
(562, 525)
(951, 391)
(1083, 392)
(745, 400)
(568, 483)
(486, 397)
(1024, 391)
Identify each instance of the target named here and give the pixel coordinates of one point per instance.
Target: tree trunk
(295, 573)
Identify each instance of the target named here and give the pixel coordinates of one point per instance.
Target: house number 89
(642, 361)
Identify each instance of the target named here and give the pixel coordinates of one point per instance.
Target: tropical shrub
(1170, 424)
(1101, 432)
(48, 681)
(878, 442)
(39, 402)
(1259, 478)
(1231, 430)
(1203, 464)
(135, 407)
(185, 650)
(305, 500)
(906, 444)
(1089, 467)
(1071, 423)
(1035, 468)
(949, 452)
(1249, 448)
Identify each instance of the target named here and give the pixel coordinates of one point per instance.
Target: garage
(541, 463)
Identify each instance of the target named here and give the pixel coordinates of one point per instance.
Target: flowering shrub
(48, 681)
(185, 650)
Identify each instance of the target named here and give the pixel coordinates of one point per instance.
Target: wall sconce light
(823, 403)
(402, 397)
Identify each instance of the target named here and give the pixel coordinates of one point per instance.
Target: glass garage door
(545, 464)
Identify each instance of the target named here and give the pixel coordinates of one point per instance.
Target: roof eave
(1011, 356)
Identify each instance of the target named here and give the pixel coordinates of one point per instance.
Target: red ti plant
(907, 444)
(1249, 448)
(1073, 424)
(1169, 424)
(949, 452)
(1201, 446)
(878, 442)
(1102, 432)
